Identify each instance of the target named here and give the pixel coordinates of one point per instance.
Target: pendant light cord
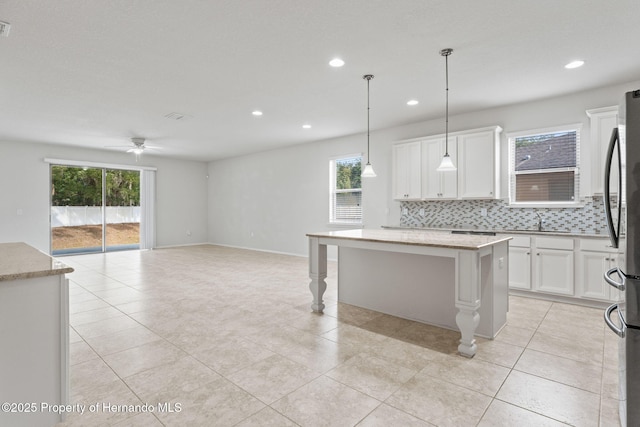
(446, 121)
(368, 78)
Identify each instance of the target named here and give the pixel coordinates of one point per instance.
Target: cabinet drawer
(597, 245)
(554, 243)
(520, 241)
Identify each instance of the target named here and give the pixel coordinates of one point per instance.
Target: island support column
(468, 292)
(317, 272)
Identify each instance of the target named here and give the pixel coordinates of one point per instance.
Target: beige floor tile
(440, 402)
(579, 350)
(585, 376)
(431, 337)
(140, 420)
(220, 403)
(80, 352)
(498, 352)
(122, 340)
(87, 377)
(231, 355)
(325, 402)
(350, 314)
(314, 323)
(385, 416)
(75, 307)
(94, 315)
(610, 383)
(267, 417)
(405, 354)
(106, 326)
(371, 375)
(610, 413)
(356, 337)
(503, 414)
(554, 400)
(474, 374)
(515, 335)
(143, 357)
(171, 381)
(235, 311)
(272, 378)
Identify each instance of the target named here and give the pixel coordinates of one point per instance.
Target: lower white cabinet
(564, 266)
(554, 271)
(596, 258)
(520, 263)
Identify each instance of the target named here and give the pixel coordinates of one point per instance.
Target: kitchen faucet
(540, 221)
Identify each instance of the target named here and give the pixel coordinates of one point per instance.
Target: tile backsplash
(589, 218)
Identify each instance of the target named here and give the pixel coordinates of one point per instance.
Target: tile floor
(227, 337)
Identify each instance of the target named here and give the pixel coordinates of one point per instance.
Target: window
(346, 190)
(544, 167)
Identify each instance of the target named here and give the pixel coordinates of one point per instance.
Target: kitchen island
(34, 335)
(456, 281)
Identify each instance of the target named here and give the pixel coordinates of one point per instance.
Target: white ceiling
(96, 73)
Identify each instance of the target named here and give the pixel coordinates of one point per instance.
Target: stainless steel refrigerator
(622, 208)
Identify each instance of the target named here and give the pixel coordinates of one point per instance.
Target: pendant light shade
(368, 169)
(446, 164)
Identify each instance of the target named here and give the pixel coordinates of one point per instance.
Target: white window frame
(333, 190)
(511, 137)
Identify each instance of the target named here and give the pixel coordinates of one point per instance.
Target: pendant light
(446, 164)
(368, 169)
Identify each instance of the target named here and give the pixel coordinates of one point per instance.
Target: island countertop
(433, 238)
(21, 261)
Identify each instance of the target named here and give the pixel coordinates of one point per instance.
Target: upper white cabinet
(476, 154)
(406, 171)
(602, 120)
(478, 164)
(438, 185)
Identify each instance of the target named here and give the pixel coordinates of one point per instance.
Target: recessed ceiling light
(336, 62)
(257, 113)
(574, 64)
(413, 102)
(306, 126)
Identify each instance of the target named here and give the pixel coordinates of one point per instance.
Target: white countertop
(21, 261)
(434, 238)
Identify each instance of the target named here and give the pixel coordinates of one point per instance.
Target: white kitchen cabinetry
(563, 266)
(542, 264)
(554, 261)
(476, 154)
(478, 164)
(438, 185)
(596, 257)
(520, 263)
(602, 121)
(406, 171)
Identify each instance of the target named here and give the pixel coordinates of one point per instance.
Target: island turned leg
(467, 320)
(468, 300)
(317, 273)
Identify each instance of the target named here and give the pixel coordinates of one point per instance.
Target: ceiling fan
(138, 146)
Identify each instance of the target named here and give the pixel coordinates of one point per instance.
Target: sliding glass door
(94, 209)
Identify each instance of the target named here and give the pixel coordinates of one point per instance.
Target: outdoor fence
(65, 216)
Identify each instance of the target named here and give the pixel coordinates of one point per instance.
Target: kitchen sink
(477, 233)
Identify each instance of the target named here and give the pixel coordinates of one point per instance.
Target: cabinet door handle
(528, 253)
(538, 254)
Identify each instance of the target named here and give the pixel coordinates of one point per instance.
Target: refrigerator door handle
(620, 331)
(618, 285)
(614, 232)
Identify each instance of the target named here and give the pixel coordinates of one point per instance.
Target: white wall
(269, 200)
(24, 186)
